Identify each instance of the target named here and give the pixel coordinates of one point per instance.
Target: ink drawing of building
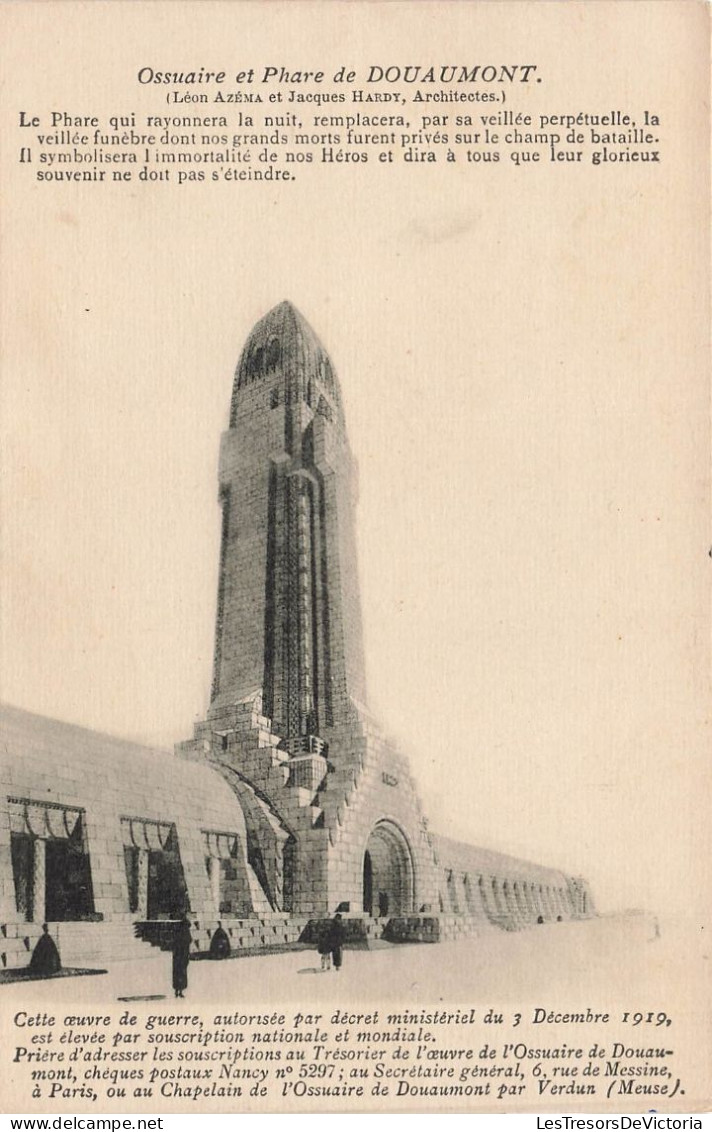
(288, 801)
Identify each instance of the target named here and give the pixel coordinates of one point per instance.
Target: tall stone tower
(331, 808)
(288, 623)
(332, 815)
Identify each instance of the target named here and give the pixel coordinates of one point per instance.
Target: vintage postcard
(355, 558)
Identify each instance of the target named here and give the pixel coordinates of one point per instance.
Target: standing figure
(220, 944)
(323, 946)
(336, 940)
(45, 957)
(181, 956)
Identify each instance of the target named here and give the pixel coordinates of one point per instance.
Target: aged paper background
(523, 357)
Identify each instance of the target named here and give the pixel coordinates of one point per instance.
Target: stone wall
(123, 793)
(493, 888)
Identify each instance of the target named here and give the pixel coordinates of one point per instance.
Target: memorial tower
(331, 809)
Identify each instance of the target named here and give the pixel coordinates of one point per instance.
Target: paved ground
(611, 958)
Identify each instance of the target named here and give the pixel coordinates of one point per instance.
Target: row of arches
(508, 903)
(389, 888)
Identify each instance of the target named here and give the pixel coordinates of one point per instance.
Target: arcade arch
(388, 872)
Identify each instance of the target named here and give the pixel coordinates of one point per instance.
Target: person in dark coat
(323, 946)
(45, 957)
(337, 936)
(219, 944)
(181, 956)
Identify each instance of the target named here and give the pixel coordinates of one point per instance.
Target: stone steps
(80, 943)
(457, 926)
(251, 935)
(17, 941)
(98, 944)
(260, 932)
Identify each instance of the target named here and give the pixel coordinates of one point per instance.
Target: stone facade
(289, 801)
(95, 829)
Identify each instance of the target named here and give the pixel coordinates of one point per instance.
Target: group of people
(330, 945)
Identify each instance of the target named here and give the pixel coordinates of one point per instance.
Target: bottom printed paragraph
(531, 1058)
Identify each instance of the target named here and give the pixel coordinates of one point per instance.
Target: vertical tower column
(39, 880)
(214, 877)
(142, 884)
(305, 606)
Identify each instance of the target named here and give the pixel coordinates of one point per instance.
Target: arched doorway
(388, 873)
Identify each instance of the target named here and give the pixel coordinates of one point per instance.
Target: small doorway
(167, 892)
(68, 894)
(23, 871)
(132, 866)
(367, 883)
